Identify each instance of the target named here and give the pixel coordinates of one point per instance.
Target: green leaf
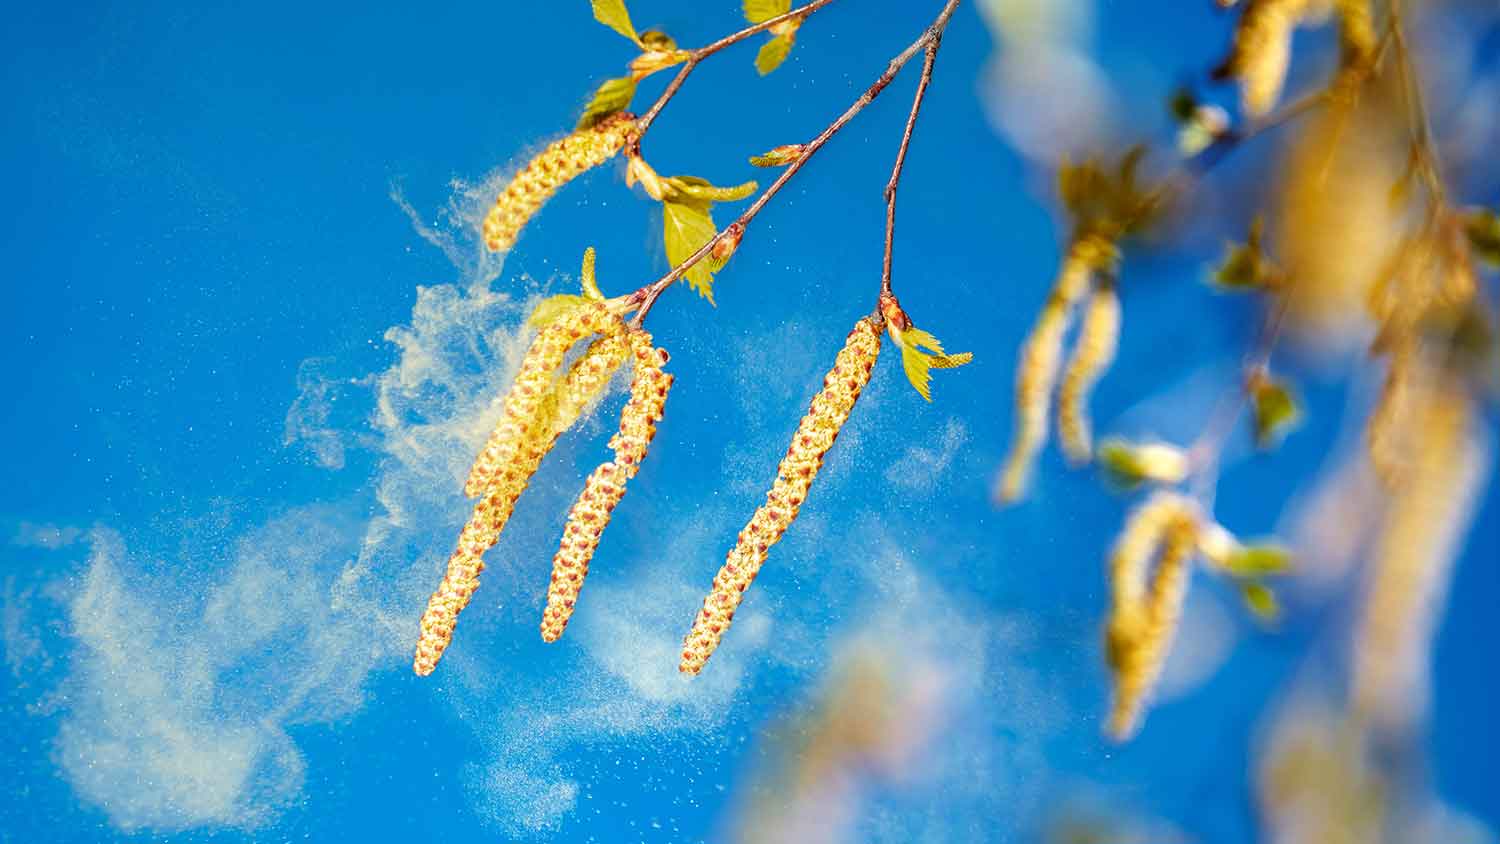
(1275, 411)
(778, 157)
(612, 13)
(658, 41)
(1483, 227)
(590, 283)
(687, 227)
(773, 53)
(917, 366)
(1260, 560)
(613, 97)
(553, 308)
(692, 189)
(1121, 465)
(1261, 601)
(763, 10)
(1246, 266)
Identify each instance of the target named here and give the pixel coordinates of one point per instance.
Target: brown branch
(698, 55)
(646, 296)
(890, 187)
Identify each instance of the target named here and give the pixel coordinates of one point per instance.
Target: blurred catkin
(554, 167)
(1146, 603)
(606, 485)
(814, 436)
(1093, 352)
(1413, 556)
(1041, 357)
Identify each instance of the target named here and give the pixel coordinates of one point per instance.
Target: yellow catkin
(586, 379)
(1422, 531)
(1143, 618)
(1388, 438)
(1041, 356)
(522, 420)
(1357, 38)
(467, 561)
(1093, 352)
(814, 436)
(1262, 51)
(606, 485)
(554, 167)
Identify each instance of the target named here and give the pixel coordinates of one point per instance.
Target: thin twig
(698, 55)
(890, 186)
(647, 295)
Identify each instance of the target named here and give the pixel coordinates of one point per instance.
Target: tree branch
(890, 187)
(645, 297)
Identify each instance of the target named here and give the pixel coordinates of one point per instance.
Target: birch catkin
(815, 435)
(529, 394)
(467, 560)
(1413, 558)
(554, 167)
(1262, 50)
(1144, 620)
(606, 485)
(1093, 352)
(1041, 356)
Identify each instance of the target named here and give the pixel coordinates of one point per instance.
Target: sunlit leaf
(918, 363)
(1246, 266)
(612, 13)
(1483, 227)
(757, 11)
(1127, 465)
(1261, 601)
(773, 53)
(590, 283)
(1275, 411)
(692, 188)
(1258, 560)
(779, 156)
(554, 308)
(658, 41)
(687, 227)
(613, 97)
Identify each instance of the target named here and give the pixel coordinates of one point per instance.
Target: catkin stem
(815, 435)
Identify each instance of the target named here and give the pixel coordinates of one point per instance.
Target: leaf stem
(644, 298)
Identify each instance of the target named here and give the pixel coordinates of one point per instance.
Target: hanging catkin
(1146, 604)
(606, 485)
(815, 435)
(523, 419)
(1422, 530)
(554, 167)
(1041, 356)
(1093, 352)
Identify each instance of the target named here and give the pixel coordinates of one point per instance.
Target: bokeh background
(253, 344)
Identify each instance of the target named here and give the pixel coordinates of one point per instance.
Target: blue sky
(253, 343)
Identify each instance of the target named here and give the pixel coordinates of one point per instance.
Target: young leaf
(1260, 560)
(658, 41)
(1275, 411)
(687, 226)
(1261, 601)
(773, 53)
(1246, 266)
(1128, 465)
(554, 308)
(1483, 227)
(757, 11)
(612, 13)
(590, 283)
(692, 188)
(916, 362)
(613, 96)
(779, 156)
